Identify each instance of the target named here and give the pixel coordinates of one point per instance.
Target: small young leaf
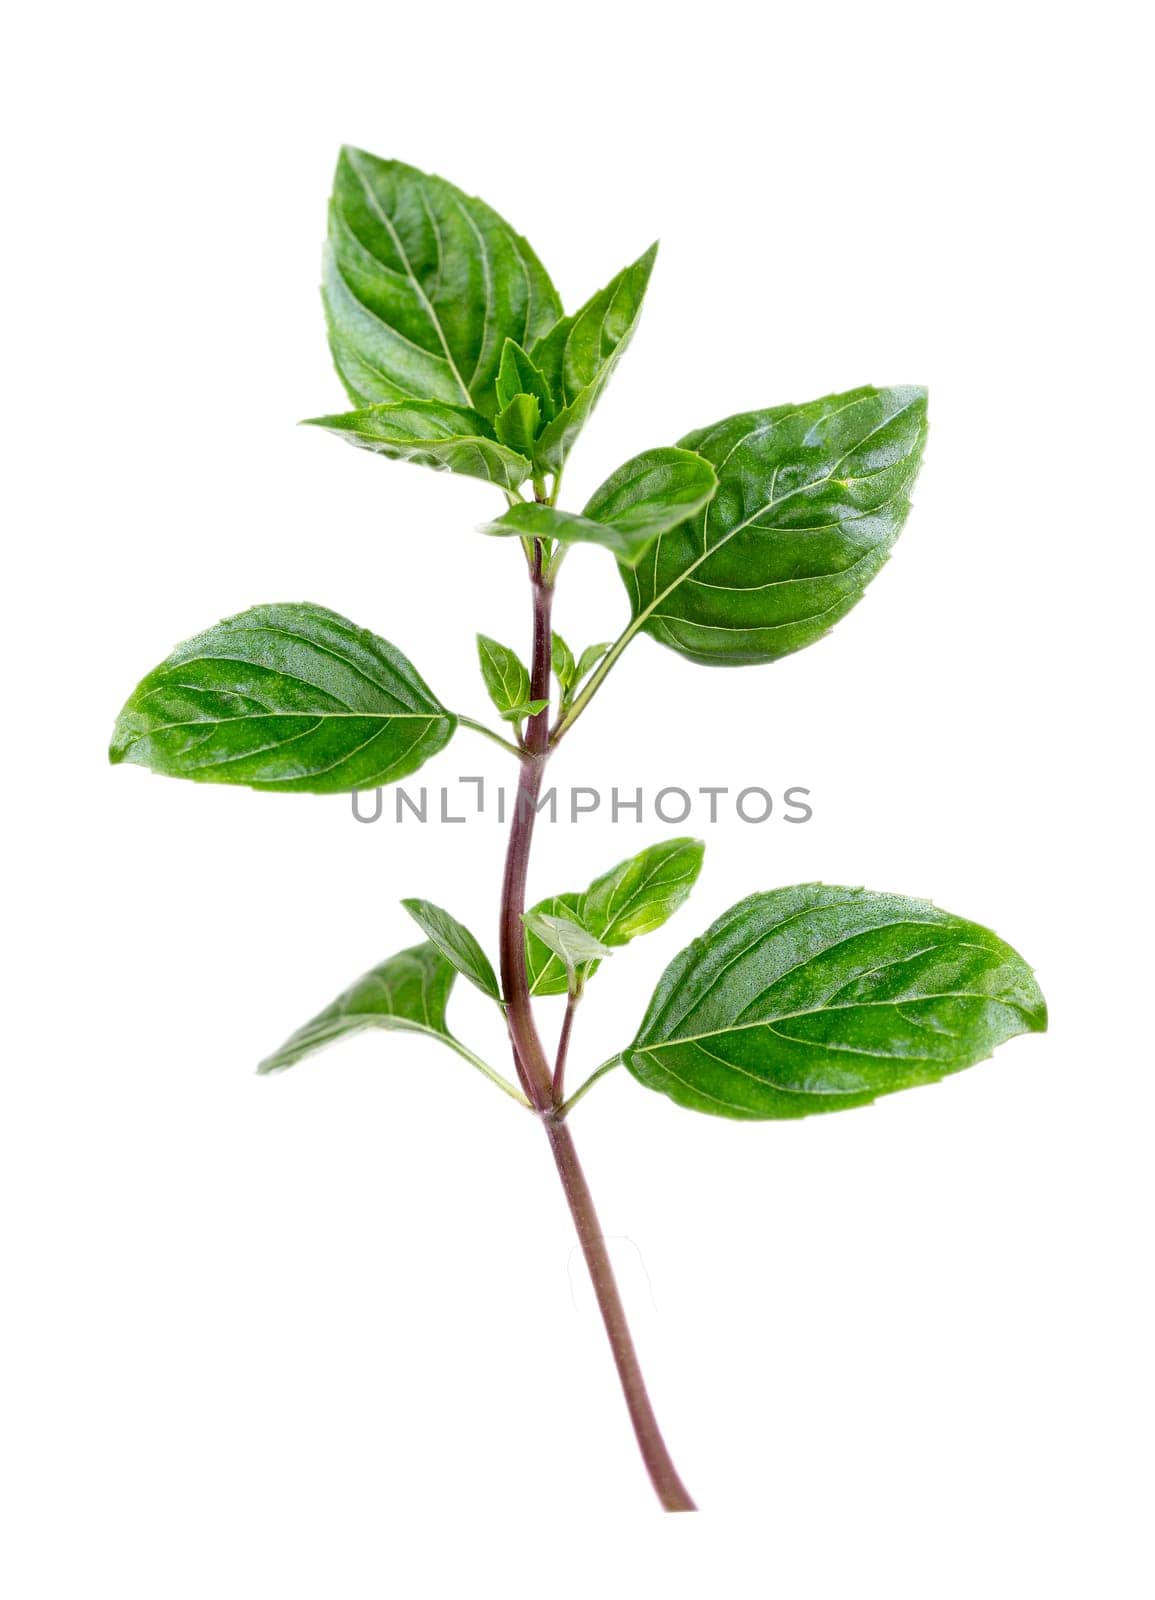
(506, 679)
(408, 992)
(654, 492)
(563, 662)
(811, 499)
(633, 898)
(292, 698)
(518, 425)
(422, 286)
(641, 893)
(456, 944)
(590, 657)
(819, 998)
(649, 495)
(546, 970)
(529, 520)
(518, 375)
(570, 942)
(578, 356)
(529, 709)
(431, 434)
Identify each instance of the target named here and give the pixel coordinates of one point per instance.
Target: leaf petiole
(607, 1066)
(487, 1071)
(479, 727)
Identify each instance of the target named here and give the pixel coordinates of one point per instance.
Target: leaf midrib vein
(427, 305)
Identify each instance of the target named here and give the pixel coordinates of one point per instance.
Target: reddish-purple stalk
(544, 1085)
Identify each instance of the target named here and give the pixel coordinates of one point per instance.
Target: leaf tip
(1036, 1014)
(122, 741)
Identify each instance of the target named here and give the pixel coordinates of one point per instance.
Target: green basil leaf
(529, 709)
(563, 662)
(518, 424)
(578, 356)
(423, 285)
(649, 495)
(818, 998)
(456, 944)
(573, 945)
(590, 657)
(285, 697)
(518, 374)
(409, 993)
(633, 898)
(641, 893)
(545, 969)
(431, 434)
(506, 678)
(530, 520)
(811, 499)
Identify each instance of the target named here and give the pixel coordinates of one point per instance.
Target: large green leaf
(409, 992)
(423, 285)
(578, 355)
(286, 697)
(631, 899)
(647, 496)
(456, 944)
(811, 498)
(819, 998)
(431, 434)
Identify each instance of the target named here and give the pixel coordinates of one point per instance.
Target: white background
(324, 1334)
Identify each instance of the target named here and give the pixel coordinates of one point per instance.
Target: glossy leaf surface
(409, 992)
(578, 355)
(456, 944)
(286, 697)
(431, 434)
(811, 499)
(423, 284)
(819, 998)
(631, 899)
(649, 495)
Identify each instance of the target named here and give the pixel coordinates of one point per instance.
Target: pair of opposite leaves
(745, 542)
